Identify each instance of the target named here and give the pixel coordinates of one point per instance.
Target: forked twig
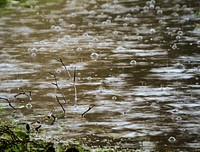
(56, 84)
(8, 103)
(60, 104)
(72, 79)
(87, 110)
(24, 93)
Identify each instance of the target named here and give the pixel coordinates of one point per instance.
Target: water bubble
(153, 2)
(95, 39)
(140, 38)
(72, 25)
(146, 8)
(51, 21)
(89, 78)
(85, 35)
(58, 71)
(198, 43)
(28, 105)
(103, 23)
(175, 14)
(174, 47)
(133, 62)
(115, 1)
(172, 139)
(33, 54)
(180, 33)
(60, 20)
(43, 43)
(135, 25)
(177, 6)
(79, 49)
(128, 15)
(179, 66)
(42, 49)
(135, 9)
(67, 36)
(125, 25)
(55, 27)
(151, 6)
(94, 56)
(178, 37)
(178, 118)
(33, 50)
(90, 45)
(152, 31)
(162, 22)
(159, 12)
(108, 21)
(174, 111)
(120, 48)
(90, 24)
(153, 104)
(114, 98)
(157, 8)
(115, 32)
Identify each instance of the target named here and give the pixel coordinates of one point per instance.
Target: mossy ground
(14, 139)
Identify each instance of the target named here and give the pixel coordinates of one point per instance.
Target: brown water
(137, 61)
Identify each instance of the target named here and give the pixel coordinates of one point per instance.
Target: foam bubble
(133, 62)
(172, 139)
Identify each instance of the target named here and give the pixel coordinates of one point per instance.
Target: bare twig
(38, 127)
(54, 118)
(61, 61)
(56, 84)
(8, 103)
(60, 104)
(51, 115)
(92, 106)
(74, 84)
(24, 93)
(72, 79)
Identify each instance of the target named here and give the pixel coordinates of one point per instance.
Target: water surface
(137, 66)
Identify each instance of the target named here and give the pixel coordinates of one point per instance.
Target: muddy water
(136, 63)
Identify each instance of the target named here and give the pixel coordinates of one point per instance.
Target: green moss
(3, 3)
(197, 13)
(15, 139)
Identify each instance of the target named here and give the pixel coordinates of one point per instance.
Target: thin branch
(61, 61)
(87, 110)
(60, 104)
(38, 127)
(74, 84)
(56, 84)
(73, 80)
(24, 93)
(8, 103)
(54, 119)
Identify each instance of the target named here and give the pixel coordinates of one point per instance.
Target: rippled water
(136, 63)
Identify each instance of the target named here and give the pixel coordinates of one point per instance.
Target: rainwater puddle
(126, 73)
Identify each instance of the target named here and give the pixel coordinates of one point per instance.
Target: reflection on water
(137, 65)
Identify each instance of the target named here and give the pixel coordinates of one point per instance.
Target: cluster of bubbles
(32, 51)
